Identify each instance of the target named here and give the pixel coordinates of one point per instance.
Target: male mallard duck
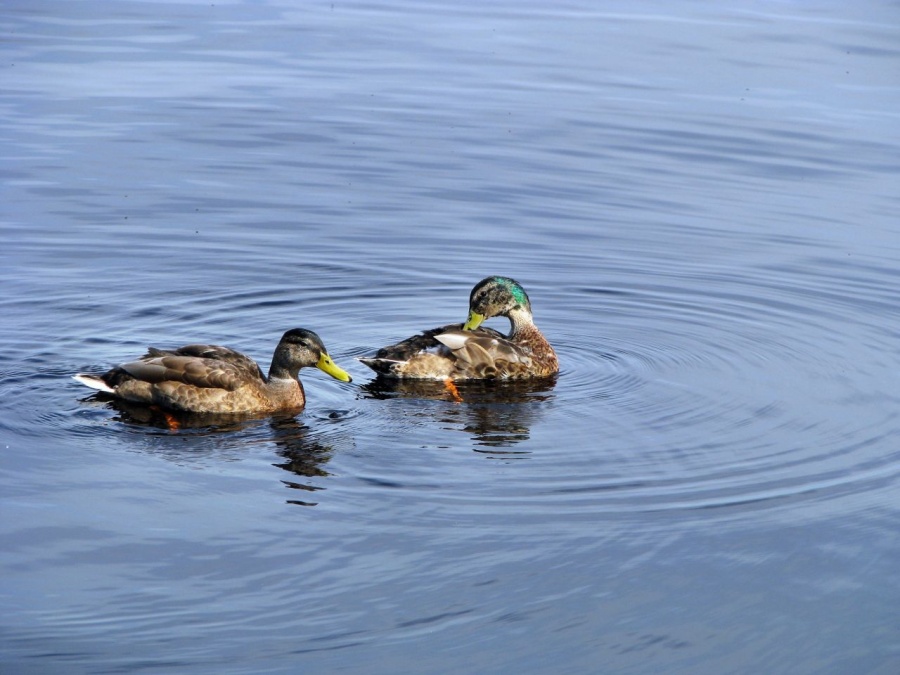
(213, 379)
(467, 352)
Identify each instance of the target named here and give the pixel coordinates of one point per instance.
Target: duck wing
(203, 366)
(485, 354)
(422, 355)
(216, 352)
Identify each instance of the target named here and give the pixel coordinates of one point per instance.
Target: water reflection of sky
(700, 201)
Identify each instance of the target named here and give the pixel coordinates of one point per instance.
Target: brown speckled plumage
(213, 379)
(469, 352)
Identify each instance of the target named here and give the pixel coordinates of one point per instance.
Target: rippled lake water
(701, 200)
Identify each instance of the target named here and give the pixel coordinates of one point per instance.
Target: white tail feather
(453, 341)
(93, 382)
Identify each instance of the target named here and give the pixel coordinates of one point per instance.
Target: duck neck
(282, 369)
(519, 320)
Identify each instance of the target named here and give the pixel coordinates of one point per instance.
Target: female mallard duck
(213, 379)
(467, 352)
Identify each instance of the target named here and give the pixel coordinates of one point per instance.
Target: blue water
(701, 200)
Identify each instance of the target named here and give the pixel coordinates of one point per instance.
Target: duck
(469, 351)
(200, 378)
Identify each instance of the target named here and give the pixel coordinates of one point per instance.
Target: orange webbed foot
(454, 392)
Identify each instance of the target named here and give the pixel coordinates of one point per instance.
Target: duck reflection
(303, 452)
(497, 413)
(153, 416)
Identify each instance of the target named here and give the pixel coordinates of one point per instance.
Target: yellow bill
(474, 321)
(325, 364)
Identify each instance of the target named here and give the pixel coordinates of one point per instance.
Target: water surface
(700, 200)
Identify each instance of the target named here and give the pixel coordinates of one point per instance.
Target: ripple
(683, 388)
(716, 265)
(712, 394)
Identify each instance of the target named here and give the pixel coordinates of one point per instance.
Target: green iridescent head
(496, 296)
